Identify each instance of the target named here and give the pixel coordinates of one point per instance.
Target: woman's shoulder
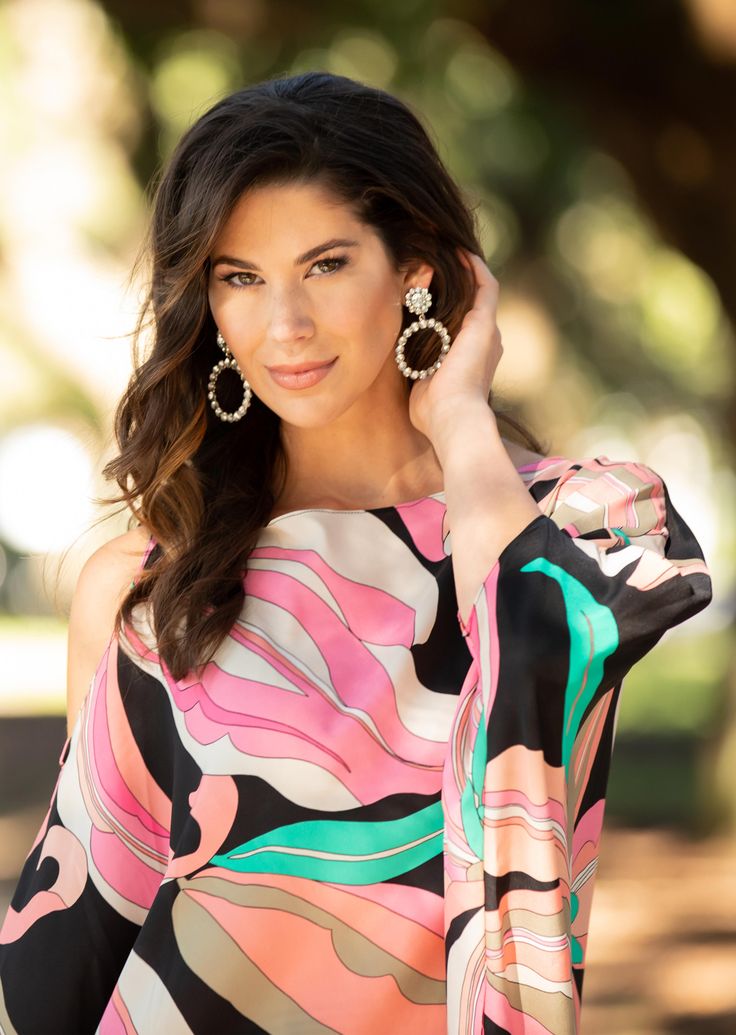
(572, 470)
(125, 552)
(585, 494)
(110, 569)
(102, 584)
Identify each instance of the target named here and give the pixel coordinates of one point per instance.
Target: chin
(310, 415)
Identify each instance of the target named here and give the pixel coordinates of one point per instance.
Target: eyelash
(340, 260)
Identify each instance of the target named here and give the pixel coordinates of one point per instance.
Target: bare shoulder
(101, 586)
(520, 455)
(123, 552)
(108, 571)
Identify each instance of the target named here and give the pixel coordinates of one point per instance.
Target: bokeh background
(597, 143)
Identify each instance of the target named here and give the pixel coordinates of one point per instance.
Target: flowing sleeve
(90, 876)
(584, 591)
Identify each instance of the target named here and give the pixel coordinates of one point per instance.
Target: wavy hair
(205, 488)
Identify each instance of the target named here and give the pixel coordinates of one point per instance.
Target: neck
(366, 458)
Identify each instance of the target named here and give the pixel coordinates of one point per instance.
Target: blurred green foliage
(622, 340)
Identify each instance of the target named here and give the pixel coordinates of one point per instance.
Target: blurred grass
(655, 782)
(678, 687)
(672, 704)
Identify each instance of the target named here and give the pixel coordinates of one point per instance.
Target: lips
(302, 375)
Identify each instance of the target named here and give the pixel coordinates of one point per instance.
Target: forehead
(279, 213)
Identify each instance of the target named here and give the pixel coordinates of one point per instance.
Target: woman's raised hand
(468, 369)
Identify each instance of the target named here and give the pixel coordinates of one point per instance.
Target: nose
(290, 319)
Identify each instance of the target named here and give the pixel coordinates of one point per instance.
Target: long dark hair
(205, 488)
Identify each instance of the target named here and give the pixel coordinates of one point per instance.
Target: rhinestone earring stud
(418, 300)
(228, 361)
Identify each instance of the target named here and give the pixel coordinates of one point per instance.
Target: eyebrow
(335, 242)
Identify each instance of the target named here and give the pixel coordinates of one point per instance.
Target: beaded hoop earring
(228, 361)
(418, 300)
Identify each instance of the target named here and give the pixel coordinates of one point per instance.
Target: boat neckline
(388, 506)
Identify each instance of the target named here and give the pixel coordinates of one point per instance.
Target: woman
(343, 758)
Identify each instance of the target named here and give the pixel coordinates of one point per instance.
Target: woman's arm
(92, 872)
(570, 604)
(487, 502)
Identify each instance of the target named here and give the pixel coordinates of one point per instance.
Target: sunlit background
(618, 334)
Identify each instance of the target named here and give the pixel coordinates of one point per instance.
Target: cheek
(238, 322)
(369, 314)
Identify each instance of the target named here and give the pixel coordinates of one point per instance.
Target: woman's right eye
(230, 279)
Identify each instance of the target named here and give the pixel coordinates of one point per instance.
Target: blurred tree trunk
(652, 96)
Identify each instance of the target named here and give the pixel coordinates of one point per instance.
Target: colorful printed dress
(367, 817)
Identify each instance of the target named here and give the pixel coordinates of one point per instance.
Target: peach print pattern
(362, 815)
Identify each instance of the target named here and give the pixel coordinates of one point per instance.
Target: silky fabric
(366, 816)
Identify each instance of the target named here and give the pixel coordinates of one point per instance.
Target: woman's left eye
(336, 261)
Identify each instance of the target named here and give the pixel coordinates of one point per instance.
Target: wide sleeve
(574, 600)
(92, 872)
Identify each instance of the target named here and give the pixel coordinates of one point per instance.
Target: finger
(485, 302)
(482, 272)
(487, 287)
(467, 258)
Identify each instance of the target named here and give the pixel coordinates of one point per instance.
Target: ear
(418, 274)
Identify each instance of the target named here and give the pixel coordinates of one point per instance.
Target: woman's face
(297, 280)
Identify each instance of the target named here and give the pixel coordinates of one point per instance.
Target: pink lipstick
(300, 375)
